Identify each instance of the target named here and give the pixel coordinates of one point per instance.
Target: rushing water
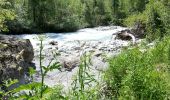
(98, 33)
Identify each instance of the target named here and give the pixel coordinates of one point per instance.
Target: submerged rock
(16, 57)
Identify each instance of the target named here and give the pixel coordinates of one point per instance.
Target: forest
(28, 16)
(136, 69)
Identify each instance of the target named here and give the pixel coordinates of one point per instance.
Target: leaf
(54, 66)
(1, 92)
(27, 87)
(10, 82)
(46, 90)
(32, 71)
(90, 76)
(22, 97)
(44, 68)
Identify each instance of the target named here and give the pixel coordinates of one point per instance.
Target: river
(97, 33)
(69, 45)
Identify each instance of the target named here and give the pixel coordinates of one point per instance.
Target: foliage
(5, 14)
(131, 20)
(155, 18)
(45, 69)
(56, 94)
(140, 75)
(70, 15)
(4, 92)
(82, 81)
(157, 21)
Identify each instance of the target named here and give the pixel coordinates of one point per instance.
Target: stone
(103, 48)
(16, 57)
(98, 53)
(69, 62)
(53, 43)
(50, 48)
(123, 35)
(99, 64)
(126, 35)
(77, 48)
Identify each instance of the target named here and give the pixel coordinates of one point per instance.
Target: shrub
(155, 19)
(140, 75)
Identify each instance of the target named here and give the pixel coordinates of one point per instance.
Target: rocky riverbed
(98, 41)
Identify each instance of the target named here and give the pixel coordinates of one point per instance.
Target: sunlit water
(98, 33)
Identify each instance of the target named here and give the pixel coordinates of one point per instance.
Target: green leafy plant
(4, 92)
(6, 13)
(155, 19)
(83, 81)
(140, 75)
(45, 69)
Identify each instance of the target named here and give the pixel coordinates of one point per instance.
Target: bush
(155, 19)
(140, 75)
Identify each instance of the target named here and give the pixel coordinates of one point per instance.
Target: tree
(5, 14)
(158, 19)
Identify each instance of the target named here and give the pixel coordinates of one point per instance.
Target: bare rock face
(16, 57)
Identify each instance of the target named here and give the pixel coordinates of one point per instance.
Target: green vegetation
(45, 69)
(140, 74)
(83, 81)
(70, 15)
(155, 18)
(6, 13)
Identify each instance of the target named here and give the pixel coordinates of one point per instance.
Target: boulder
(16, 57)
(123, 35)
(126, 35)
(137, 31)
(69, 63)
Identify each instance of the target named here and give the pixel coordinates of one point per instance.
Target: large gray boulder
(16, 57)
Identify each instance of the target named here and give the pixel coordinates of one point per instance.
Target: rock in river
(16, 57)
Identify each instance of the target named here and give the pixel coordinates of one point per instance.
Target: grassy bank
(140, 74)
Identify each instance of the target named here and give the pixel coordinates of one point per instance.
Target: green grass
(136, 75)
